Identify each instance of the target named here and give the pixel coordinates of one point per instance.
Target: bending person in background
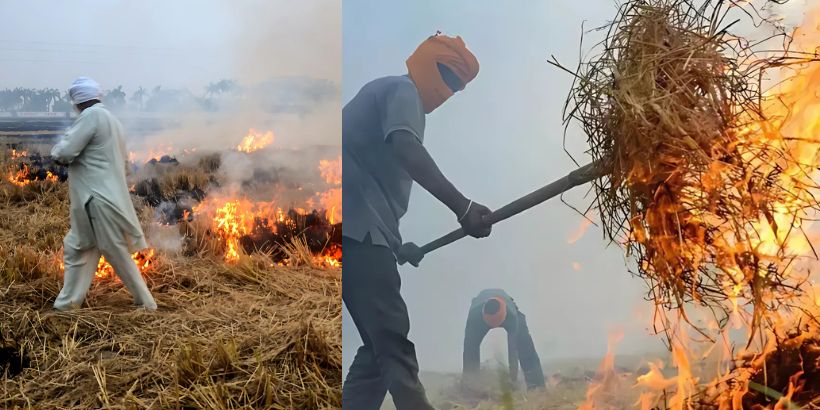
(382, 135)
(103, 219)
(494, 308)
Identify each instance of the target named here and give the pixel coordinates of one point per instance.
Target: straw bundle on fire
(700, 186)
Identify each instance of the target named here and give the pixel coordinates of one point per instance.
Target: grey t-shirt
(376, 189)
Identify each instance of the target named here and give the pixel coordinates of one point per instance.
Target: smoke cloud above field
(283, 56)
(175, 44)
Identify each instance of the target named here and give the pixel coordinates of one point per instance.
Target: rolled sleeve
(75, 139)
(402, 110)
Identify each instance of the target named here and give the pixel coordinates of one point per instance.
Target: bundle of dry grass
(162, 182)
(697, 187)
(244, 335)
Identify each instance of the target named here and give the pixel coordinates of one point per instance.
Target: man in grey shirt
(382, 136)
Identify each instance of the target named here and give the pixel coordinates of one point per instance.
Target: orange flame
(331, 200)
(332, 257)
(606, 389)
(18, 154)
(231, 219)
(582, 229)
(255, 141)
(231, 223)
(331, 170)
(21, 177)
(144, 262)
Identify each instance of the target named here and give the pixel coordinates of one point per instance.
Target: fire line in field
(241, 224)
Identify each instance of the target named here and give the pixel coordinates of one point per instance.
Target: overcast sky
(182, 44)
(185, 43)
(499, 139)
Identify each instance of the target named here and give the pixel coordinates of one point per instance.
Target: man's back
(106, 147)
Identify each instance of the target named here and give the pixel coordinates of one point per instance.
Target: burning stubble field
(244, 265)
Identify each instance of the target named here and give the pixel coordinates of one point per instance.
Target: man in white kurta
(103, 219)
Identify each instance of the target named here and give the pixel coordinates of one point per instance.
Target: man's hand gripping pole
(410, 252)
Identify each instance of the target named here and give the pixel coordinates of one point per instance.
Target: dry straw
(245, 335)
(673, 104)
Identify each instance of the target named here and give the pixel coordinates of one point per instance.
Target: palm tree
(115, 98)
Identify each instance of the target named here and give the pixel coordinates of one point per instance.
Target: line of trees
(276, 95)
(142, 99)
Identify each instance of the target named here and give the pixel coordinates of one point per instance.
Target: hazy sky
(185, 43)
(499, 139)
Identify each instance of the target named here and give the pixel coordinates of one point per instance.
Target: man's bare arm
(415, 159)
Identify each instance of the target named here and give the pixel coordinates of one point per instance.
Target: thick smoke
(210, 71)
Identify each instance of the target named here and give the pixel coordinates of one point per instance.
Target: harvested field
(249, 333)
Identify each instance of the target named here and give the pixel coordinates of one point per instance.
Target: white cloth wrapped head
(84, 89)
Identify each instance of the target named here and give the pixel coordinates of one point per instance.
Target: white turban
(84, 89)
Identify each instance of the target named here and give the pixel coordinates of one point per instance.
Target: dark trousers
(387, 360)
(527, 356)
(519, 345)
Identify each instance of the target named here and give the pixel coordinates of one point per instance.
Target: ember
(18, 154)
(144, 261)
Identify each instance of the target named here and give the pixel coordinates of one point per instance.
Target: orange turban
(496, 319)
(423, 68)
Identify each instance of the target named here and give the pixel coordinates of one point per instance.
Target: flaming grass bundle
(699, 186)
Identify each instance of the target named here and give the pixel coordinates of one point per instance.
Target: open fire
(778, 365)
(26, 169)
(244, 226)
(240, 224)
(144, 261)
(255, 141)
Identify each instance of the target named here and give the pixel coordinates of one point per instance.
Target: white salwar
(103, 219)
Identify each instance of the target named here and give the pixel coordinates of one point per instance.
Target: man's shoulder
(391, 84)
(393, 80)
(493, 292)
(97, 110)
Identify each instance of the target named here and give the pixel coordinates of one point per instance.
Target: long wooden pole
(580, 176)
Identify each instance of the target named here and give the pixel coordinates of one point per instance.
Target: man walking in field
(382, 136)
(491, 309)
(103, 219)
